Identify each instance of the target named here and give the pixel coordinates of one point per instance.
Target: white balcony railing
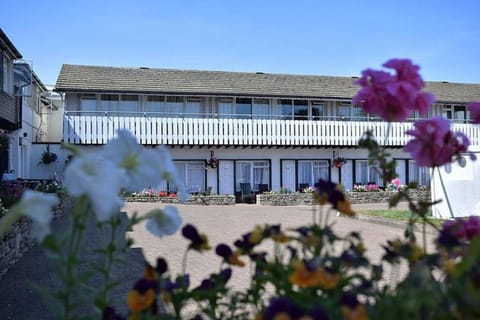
(99, 129)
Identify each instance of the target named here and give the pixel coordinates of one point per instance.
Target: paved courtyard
(220, 223)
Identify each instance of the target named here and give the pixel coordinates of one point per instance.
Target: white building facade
(271, 131)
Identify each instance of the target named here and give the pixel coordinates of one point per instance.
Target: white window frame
(254, 164)
(314, 164)
(372, 174)
(184, 168)
(419, 174)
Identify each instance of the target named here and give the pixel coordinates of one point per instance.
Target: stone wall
(205, 200)
(299, 198)
(17, 241)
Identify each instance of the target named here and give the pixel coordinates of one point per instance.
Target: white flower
(98, 179)
(140, 164)
(169, 172)
(38, 207)
(163, 222)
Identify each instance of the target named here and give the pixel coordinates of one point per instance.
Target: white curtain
(261, 109)
(193, 109)
(195, 176)
(305, 172)
(225, 110)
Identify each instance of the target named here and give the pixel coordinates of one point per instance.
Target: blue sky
(299, 37)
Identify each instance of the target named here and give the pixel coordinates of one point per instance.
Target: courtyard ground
(221, 223)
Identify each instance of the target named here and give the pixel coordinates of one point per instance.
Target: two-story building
(28, 114)
(269, 130)
(10, 117)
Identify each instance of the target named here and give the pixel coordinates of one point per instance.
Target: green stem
(108, 264)
(80, 216)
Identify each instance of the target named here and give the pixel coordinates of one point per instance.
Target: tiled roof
(79, 78)
(6, 44)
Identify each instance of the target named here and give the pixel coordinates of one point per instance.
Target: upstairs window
(225, 108)
(128, 103)
(174, 106)
(193, 107)
(456, 113)
(88, 102)
(243, 108)
(261, 108)
(155, 105)
(343, 111)
(318, 110)
(283, 109)
(109, 102)
(300, 110)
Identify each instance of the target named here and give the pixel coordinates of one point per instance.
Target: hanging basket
(212, 163)
(338, 162)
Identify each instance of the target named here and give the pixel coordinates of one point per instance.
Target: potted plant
(338, 162)
(212, 162)
(48, 157)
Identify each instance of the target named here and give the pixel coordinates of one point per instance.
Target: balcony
(99, 128)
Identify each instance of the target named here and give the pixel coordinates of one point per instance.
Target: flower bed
(196, 199)
(305, 198)
(17, 241)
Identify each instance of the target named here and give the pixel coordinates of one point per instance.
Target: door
(225, 177)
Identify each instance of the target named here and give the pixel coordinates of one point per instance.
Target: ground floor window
(257, 173)
(366, 174)
(418, 174)
(192, 173)
(310, 171)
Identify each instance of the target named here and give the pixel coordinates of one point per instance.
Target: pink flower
(434, 144)
(472, 227)
(393, 97)
(474, 108)
(396, 182)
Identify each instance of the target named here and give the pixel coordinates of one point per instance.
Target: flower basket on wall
(48, 157)
(213, 162)
(338, 162)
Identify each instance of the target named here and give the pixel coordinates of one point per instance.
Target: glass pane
(128, 103)
(261, 109)
(284, 109)
(317, 110)
(243, 173)
(243, 108)
(343, 112)
(300, 110)
(155, 104)
(193, 109)
(89, 104)
(305, 174)
(225, 108)
(109, 102)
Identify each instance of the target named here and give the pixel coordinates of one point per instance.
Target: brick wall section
(294, 199)
(18, 241)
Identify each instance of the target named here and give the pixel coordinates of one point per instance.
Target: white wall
(462, 188)
(47, 171)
